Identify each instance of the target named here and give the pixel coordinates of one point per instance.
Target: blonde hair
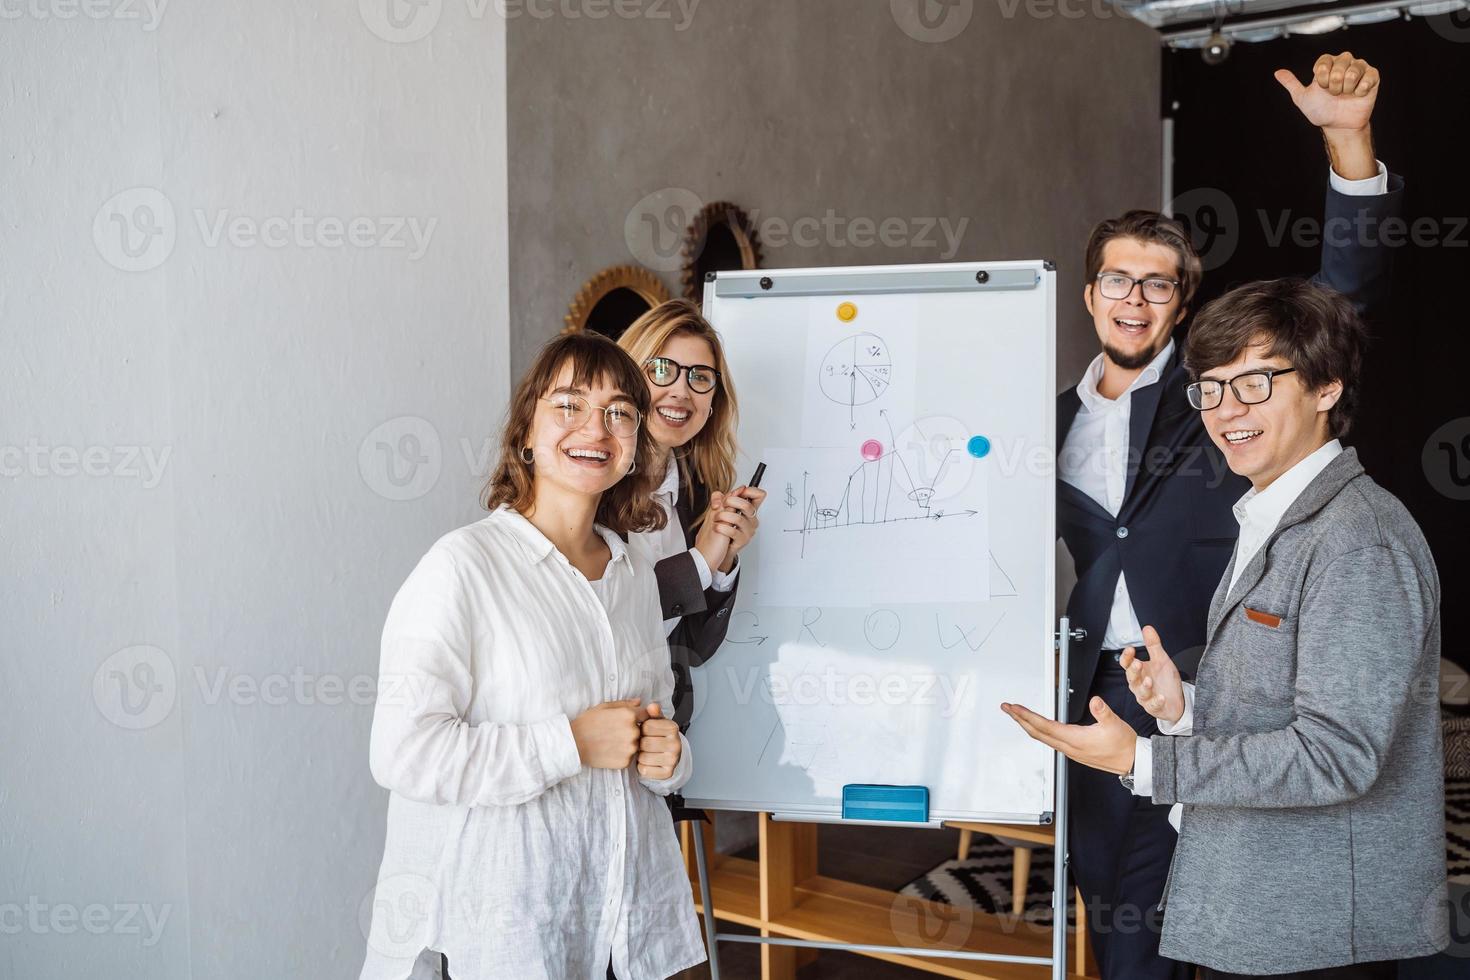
(711, 454)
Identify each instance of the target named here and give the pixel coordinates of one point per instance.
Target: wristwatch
(1127, 778)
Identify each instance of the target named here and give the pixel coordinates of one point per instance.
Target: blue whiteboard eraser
(870, 801)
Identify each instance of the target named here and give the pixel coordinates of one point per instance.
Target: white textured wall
(200, 527)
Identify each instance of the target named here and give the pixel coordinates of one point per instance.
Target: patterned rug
(1457, 828)
(983, 881)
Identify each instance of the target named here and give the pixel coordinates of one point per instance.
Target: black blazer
(1175, 531)
(705, 612)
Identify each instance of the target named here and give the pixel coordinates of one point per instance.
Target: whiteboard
(901, 584)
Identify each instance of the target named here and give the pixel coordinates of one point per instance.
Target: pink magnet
(872, 449)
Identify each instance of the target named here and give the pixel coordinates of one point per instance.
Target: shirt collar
(535, 546)
(670, 485)
(1087, 387)
(1264, 509)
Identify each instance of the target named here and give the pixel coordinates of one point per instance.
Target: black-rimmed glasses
(1115, 285)
(1251, 388)
(664, 371)
(572, 411)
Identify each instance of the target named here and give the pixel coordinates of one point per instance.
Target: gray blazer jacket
(1313, 785)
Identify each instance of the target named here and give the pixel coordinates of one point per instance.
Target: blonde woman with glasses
(692, 418)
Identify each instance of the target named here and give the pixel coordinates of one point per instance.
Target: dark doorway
(1242, 149)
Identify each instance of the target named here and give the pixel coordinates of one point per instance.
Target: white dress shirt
(655, 546)
(503, 850)
(1095, 453)
(1094, 459)
(1257, 513)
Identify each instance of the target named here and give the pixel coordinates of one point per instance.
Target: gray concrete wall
(1016, 134)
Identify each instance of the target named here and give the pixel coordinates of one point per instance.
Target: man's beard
(1131, 362)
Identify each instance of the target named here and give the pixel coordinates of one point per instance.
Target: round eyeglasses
(664, 371)
(1250, 388)
(1115, 285)
(572, 412)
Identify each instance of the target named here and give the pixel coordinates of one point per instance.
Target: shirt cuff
(1377, 184)
(556, 749)
(1185, 724)
(725, 581)
(701, 568)
(1143, 768)
(683, 769)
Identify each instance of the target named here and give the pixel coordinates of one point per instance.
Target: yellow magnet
(847, 312)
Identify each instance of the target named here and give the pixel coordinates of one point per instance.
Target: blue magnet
(979, 447)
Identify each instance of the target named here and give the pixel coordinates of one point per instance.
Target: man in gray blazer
(1307, 756)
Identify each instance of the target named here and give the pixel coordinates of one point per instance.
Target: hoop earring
(528, 455)
(632, 469)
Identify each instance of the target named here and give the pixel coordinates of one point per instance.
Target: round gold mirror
(721, 238)
(610, 301)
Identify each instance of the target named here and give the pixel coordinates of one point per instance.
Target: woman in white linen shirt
(692, 421)
(524, 667)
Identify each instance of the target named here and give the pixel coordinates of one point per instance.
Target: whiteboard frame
(923, 278)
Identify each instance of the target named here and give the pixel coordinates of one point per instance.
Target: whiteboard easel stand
(1060, 862)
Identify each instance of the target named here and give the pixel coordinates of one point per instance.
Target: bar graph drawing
(879, 491)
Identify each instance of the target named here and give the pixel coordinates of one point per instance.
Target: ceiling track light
(1214, 41)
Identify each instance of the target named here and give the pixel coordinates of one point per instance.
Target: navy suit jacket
(705, 612)
(1175, 531)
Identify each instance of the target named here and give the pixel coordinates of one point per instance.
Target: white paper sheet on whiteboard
(844, 530)
(855, 369)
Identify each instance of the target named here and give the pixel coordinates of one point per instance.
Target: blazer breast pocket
(1252, 663)
(1266, 640)
(1266, 619)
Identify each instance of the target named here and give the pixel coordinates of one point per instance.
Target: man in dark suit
(1144, 496)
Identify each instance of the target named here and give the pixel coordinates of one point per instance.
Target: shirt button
(1122, 532)
(677, 609)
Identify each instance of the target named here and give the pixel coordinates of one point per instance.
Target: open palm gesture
(1155, 682)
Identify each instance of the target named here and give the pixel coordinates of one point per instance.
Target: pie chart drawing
(857, 370)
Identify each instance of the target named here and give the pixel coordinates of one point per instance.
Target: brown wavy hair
(709, 457)
(1313, 327)
(626, 506)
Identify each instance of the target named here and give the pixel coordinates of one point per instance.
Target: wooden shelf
(735, 887)
(1044, 834)
(828, 910)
